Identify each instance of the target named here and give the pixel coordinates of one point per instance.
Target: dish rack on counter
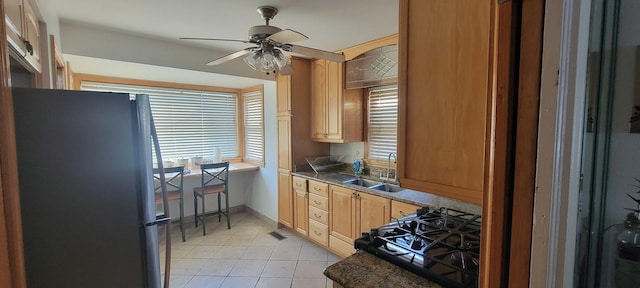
(325, 163)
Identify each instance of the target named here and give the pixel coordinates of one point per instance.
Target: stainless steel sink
(387, 187)
(371, 184)
(362, 182)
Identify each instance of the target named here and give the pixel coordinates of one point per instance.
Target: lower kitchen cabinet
(319, 232)
(285, 199)
(342, 208)
(373, 212)
(334, 216)
(301, 211)
(352, 213)
(401, 209)
(300, 205)
(318, 212)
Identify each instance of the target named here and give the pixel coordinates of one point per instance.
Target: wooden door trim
(12, 271)
(496, 199)
(532, 23)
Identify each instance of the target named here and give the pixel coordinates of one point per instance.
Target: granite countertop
(362, 270)
(408, 196)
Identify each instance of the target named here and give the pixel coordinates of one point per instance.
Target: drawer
(299, 184)
(319, 188)
(319, 232)
(319, 215)
(401, 209)
(318, 202)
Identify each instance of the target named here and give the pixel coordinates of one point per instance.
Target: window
(253, 125)
(189, 123)
(382, 115)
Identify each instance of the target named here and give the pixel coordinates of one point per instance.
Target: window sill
(234, 167)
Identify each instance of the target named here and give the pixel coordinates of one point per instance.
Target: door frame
(12, 273)
(562, 100)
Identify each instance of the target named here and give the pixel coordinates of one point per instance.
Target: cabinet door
(284, 143)
(401, 209)
(342, 213)
(283, 94)
(443, 96)
(374, 212)
(32, 35)
(301, 212)
(285, 199)
(13, 18)
(333, 110)
(318, 99)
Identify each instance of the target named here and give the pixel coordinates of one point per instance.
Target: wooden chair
(174, 180)
(214, 180)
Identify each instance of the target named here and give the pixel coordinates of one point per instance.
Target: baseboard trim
(262, 217)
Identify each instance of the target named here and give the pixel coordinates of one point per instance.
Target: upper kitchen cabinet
(336, 113)
(13, 18)
(444, 89)
(23, 33)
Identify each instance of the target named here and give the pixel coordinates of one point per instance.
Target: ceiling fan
(270, 42)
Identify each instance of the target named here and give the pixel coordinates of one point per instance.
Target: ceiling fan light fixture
(252, 60)
(280, 59)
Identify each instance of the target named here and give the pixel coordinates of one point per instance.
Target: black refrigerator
(86, 189)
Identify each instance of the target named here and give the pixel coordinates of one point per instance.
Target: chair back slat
(214, 174)
(176, 180)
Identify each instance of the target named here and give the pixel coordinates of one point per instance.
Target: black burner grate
(442, 245)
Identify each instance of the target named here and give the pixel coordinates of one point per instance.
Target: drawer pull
(317, 234)
(317, 203)
(317, 189)
(317, 216)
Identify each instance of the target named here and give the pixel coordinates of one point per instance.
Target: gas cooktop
(442, 245)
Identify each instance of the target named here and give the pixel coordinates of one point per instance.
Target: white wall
(350, 151)
(262, 192)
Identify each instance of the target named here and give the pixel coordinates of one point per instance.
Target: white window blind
(189, 123)
(383, 122)
(253, 126)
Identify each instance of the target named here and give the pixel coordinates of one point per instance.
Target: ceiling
(330, 24)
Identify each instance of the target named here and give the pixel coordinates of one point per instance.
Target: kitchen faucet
(395, 160)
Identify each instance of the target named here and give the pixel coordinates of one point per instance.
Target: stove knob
(375, 232)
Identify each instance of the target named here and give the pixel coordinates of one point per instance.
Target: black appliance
(86, 189)
(442, 245)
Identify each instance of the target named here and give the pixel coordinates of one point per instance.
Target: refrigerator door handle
(159, 221)
(165, 196)
(146, 133)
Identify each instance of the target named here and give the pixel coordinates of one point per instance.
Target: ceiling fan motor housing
(261, 32)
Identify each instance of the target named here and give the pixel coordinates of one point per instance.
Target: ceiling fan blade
(214, 39)
(316, 53)
(287, 36)
(231, 56)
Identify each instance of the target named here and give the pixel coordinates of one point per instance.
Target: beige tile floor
(244, 256)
